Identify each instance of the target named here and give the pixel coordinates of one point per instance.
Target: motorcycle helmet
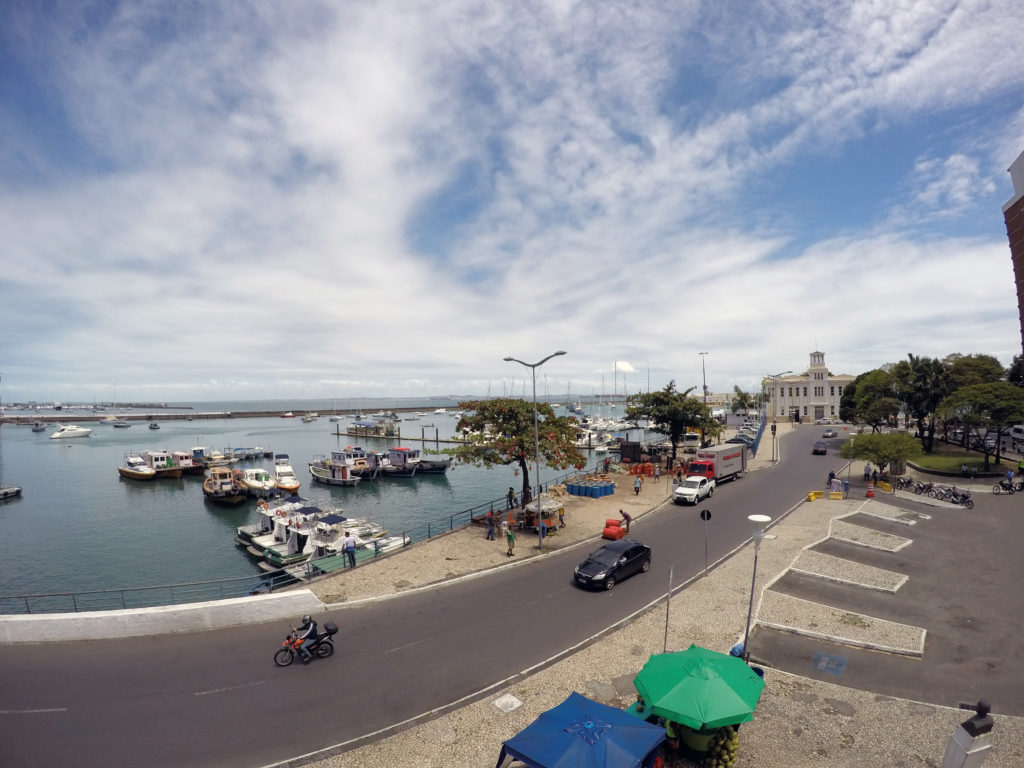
(306, 619)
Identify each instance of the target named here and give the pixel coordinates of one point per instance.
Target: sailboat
(112, 420)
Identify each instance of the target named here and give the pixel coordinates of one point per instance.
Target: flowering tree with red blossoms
(500, 432)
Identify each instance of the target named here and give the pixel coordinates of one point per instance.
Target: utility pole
(704, 376)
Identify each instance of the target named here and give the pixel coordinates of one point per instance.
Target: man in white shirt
(349, 545)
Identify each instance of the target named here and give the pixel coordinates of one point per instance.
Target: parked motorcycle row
(951, 494)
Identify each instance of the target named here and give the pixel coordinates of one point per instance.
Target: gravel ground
(799, 722)
(839, 569)
(866, 537)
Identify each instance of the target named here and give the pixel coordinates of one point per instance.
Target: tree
(989, 406)
(929, 385)
(742, 401)
(874, 401)
(669, 412)
(1015, 373)
(967, 370)
(848, 401)
(895, 448)
(500, 432)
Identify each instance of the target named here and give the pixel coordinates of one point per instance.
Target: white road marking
(229, 688)
(32, 711)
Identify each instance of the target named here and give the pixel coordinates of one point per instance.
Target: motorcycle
(958, 496)
(924, 488)
(904, 482)
(1005, 486)
(323, 646)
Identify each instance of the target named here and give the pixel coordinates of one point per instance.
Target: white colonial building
(811, 395)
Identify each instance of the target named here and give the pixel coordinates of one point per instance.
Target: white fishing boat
(331, 472)
(310, 417)
(162, 463)
(70, 430)
(257, 482)
(284, 475)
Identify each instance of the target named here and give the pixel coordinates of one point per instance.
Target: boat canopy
(332, 519)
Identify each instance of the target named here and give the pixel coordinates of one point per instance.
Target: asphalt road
(215, 698)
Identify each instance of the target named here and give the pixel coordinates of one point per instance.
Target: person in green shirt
(510, 539)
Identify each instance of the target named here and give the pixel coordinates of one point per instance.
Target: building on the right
(1013, 214)
(813, 394)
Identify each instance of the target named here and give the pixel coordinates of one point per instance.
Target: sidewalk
(799, 722)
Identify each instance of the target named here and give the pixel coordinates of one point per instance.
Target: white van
(1017, 433)
(691, 442)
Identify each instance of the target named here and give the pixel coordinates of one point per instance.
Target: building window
(805, 410)
(840, 390)
(833, 391)
(805, 393)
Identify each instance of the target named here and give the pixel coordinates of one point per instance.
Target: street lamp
(760, 523)
(704, 376)
(536, 437)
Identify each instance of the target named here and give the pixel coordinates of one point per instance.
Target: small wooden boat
(331, 472)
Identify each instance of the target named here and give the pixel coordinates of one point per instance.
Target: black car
(612, 563)
(819, 448)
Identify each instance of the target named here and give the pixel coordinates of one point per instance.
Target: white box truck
(719, 462)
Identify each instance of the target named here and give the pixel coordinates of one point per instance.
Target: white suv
(693, 489)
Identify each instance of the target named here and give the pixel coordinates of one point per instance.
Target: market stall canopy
(700, 688)
(581, 733)
(548, 505)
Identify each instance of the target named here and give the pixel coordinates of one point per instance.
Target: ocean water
(80, 526)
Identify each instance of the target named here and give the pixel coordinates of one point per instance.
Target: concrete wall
(165, 619)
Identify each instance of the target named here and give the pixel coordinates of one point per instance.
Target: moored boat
(434, 464)
(39, 427)
(70, 430)
(284, 474)
(10, 492)
(257, 482)
(136, 468)
(330, 472)
(162, 463)
(401, 462)
(221, 487)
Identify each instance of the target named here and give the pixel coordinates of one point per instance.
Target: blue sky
(248, 200)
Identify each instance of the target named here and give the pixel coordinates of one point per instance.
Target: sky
(222, 201)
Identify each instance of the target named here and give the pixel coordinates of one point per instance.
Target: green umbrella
(700, 688)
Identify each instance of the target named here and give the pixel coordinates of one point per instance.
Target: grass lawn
(951, 459)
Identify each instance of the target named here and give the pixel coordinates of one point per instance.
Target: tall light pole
(760, 523)
(704, 376)
(536, 438)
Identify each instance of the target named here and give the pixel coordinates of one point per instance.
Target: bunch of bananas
(725, 746)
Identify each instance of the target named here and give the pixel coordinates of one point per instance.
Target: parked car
(742, 440)
(825, 420)
(819, 449)
(693, 489)
(612, 563)
(830, 433)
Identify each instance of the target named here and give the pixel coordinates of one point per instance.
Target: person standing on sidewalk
(657, 472)
(510, 539)
(349, 543)
(490, 525)
(636, 485)
(510, 498)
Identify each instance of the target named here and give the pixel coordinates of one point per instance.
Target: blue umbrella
(581, 733)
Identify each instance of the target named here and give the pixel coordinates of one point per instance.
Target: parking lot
(962, 568)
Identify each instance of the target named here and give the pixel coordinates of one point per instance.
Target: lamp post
(760, 522)
(704, 376)
(536, 437)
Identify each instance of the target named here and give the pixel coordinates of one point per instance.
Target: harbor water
(80, 526)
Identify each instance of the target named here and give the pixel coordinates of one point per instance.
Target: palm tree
(742, 401)
(931, 385)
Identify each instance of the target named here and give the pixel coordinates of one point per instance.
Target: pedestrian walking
(510, 498)
(561, 517)
(831, 477)
(867, 472)
(607, 463)
(657, 472)
(846, 489)
(679, 476)
(874, 476)
(636, 485)
(490, 525)
(510, 539)
(626, 518)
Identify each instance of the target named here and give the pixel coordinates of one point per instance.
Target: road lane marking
(228, 688)
(403, 647)
(32, 711)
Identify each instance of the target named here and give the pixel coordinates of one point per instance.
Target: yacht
(284, 475)
(70, 430)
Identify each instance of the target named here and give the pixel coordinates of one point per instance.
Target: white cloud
(243, 209)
